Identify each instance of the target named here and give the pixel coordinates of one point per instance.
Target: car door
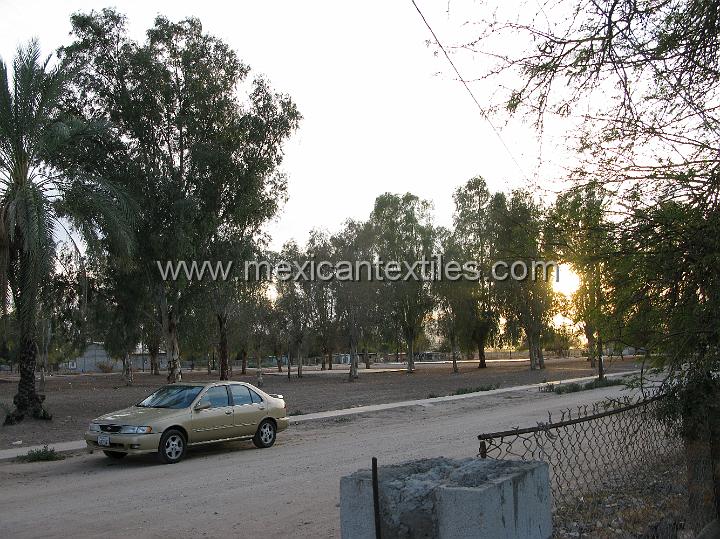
(248, 411)
(215, 422)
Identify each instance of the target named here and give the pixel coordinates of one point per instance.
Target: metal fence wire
(616, 470)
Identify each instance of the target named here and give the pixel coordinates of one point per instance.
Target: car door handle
(228, 412)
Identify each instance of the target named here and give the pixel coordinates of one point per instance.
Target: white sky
(381, 111)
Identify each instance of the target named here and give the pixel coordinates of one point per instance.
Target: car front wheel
(172, 446)
(265, 435)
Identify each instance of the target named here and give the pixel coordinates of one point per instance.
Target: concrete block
(450, 499)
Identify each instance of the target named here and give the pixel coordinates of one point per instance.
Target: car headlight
(129, 429)
(94, 427)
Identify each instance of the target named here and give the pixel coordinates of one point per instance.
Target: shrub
(594, 384)
(104, 366)
(484, 387)
(44, 454)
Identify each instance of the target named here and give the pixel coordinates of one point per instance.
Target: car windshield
(171, 397)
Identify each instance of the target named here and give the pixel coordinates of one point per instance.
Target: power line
(469, 91)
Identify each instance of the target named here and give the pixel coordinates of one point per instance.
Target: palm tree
(45, 189)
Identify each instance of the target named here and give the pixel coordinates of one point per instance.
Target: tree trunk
(330, 360)
(353, 374)
(243, 361)
(322, 362)
(154, 364)
(289, 365)
(600, 364)
(172, 348)
(481, 356)
(41, 386)
(714, 423)
(366, 358)
(27, 400)
(223, 347)
(278, 360)
(454, 358)
(258, 369)
(411, 356)
(590, 336)
(128, 369)
(299, 364)
(535, 351)
(700, 483)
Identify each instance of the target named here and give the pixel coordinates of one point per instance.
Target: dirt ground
(76, 399)
(236, 490)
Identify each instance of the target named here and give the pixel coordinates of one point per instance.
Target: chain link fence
(616, 470)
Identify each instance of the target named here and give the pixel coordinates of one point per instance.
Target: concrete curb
(424, 402)
(77, 445)
(61, 447)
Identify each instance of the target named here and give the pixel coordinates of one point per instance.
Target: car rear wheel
(115, 455)
(265, 435)
(172, 446)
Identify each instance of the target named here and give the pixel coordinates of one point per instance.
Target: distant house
(342, 359)
(89, 360)
(96, 355)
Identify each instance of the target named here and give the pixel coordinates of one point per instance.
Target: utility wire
(469, 91)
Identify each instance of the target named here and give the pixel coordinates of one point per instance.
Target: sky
(382, 112)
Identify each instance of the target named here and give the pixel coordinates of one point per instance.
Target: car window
(240, 395)
(255, 396)
(175, 396)
(217, 396)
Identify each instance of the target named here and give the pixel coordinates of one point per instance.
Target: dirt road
(234, 490)
(75, 400)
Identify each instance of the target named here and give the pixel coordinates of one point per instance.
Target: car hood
(138, 416)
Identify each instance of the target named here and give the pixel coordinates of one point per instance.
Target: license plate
(104, 440)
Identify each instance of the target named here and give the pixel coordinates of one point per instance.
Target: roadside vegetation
(574, 387)
(44, 454)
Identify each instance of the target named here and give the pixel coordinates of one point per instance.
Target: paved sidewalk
(67, 447)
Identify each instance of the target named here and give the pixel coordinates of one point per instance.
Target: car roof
(203, 384)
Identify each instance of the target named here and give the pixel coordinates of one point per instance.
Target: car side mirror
(202, 405)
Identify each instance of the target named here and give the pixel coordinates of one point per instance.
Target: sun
(567, 281)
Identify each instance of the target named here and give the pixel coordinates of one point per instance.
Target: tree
(322, 298)
(202, 161)
(403, 233)
(479, 320)
(581, 237)
(271, 329)
(449, 295)
(294, 304)
(643, 77)
(233, 300)
(357, 297)
(42, 189)
(527, 296)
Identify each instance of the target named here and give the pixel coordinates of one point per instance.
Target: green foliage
(44, 187)
(475, 303)
(480, 388)
(574, 387)
(520, 234)
(201, 163)
(37, 455)
(401, 229)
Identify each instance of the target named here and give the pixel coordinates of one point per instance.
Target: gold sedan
(188, 414)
